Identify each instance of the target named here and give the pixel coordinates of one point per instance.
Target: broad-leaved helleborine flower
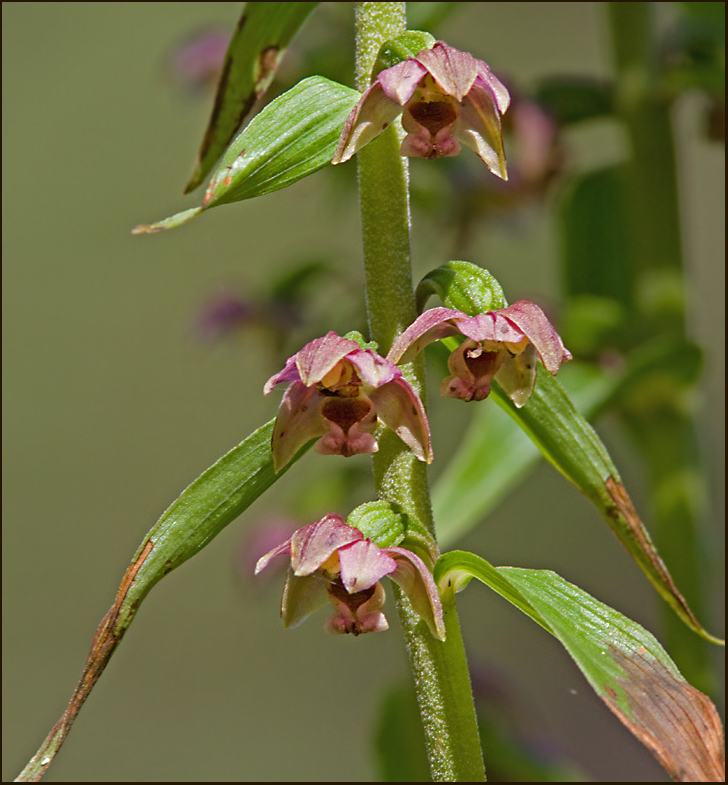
(504, 344)
(338, 391)
(446, 97)
(334, 561)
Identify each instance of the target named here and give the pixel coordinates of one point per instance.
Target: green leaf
(293, 137)
(255, 50)
(496, 454)
(571, 445)
(624, 664)
(198, 515)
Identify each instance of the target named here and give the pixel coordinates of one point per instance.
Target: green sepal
(293, 137)
(624, 663)
(254, 52)
(463, 286)
(379, 521)
(398, 49)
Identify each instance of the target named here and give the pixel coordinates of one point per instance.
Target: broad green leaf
(495, 455)
(199, 514)
(293, 137)
(568, 441)
(624, 664)
(255, 50)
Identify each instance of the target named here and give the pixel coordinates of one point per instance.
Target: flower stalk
(440, 669)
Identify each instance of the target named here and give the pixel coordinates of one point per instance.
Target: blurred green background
(113, 404)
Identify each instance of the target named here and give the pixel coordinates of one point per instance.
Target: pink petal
(419, 586)
(532, 321)
(490, 326)
(453, 70)
(264, 561)
(312, 545)
(400, 81)
(320, 356)
(299, 420)
(372, 114)
(400, 408)
(288, 374)
(496, 87)
(430, 326)
(301, 597)
(363, 564)
(373, 369)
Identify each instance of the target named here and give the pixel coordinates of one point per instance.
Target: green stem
(442, 681)
(664, 429)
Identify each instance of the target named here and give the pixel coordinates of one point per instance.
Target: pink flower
(446, 97)
(338, 391)
(331, 560)
(503, 344)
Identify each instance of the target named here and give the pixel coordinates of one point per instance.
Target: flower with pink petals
(446, 97)
(334, 561)
(503, 344)
(338, 391)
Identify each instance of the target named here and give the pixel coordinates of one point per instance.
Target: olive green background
(112, 406)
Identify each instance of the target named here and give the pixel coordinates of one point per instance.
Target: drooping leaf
(624, 664)
(255, 50)
(293, 137)
(198, 515)
(571, 445)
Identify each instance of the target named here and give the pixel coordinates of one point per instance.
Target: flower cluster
(501, 344)
(330, 560)
(446, 97)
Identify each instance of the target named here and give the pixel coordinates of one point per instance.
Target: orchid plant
(349, 395)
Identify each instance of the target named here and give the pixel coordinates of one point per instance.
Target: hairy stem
(440, 670)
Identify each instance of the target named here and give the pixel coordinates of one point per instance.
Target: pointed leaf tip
(168, 223)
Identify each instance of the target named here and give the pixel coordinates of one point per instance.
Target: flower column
(440, 670)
